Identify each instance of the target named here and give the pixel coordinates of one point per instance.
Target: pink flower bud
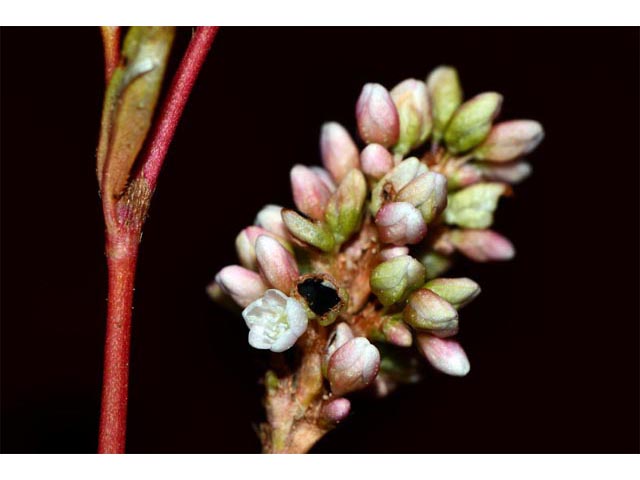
(400, 223)
(512, 172)
(393, 252)
(336, 409)
(376, 161)
(445, 355)
(428, 193)
(310, 193)
(510, 140)
(339, 152)
(243, 285)
(377, 117)
(397, 333)
(270, 218)
(426, 310)
(276, 263)
(246, 244)
(482, 245)
(353, 366)
(340, 335)
(325, 176)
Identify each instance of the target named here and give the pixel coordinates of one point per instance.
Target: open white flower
(275, 321)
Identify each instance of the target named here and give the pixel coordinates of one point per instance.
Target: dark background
(553, 339)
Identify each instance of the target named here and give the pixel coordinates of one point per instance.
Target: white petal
(296, 316)
(257, 339)
(284, 342)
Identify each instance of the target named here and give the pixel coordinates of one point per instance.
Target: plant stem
(124, 219)
(122, 253)
(176, 100)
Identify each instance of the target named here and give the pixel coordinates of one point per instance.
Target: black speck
(320, 297)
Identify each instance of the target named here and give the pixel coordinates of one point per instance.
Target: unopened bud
(310, 193)
(377, 116)
(340, 335)
(510, 140)
(339, 153)
(412, 102)
(457, 291)
(325, 176)
(393, 252)
(393, 280)
(316, 234)
(353, 366)
(473, 206)
(435, 263)
(336, 410)
(400, 223)
(446, 97)
(277, 264)
(511, 173)
(270, 218)
(444, 354)
(428, 311)
(246, 245)
(394, 181)
(344, 210)
(471, 123)
(464, 176)
(482, 245)
(376, 161)
(396, 332)
(243, 285)
(428, 193)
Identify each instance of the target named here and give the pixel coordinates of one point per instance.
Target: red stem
(122, 253)
(122, 241)
(176, 100)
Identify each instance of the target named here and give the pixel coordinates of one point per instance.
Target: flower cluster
(353, 277)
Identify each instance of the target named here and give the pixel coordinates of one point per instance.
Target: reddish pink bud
(325, 177)
(276, 263)
(510, 140)
(482, 245)
(336, 410)
(246, 242)
(396, 332)
(243, 285)
(377, 117)
(400, 223)
(339, 152)
(310, 192)
(393, 252)
(512, 172)
(444, 354)
(376, 161)
(353, 367)
(340, 335)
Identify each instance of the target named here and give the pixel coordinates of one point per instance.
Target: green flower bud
(344, 209)
(471, 123)
(316, 234)
(435, 263)
(457, 291)
(393, 280)
(473, 207)
(412, 102)
(446, 97)
(428, 311)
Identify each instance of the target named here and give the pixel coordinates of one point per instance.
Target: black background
(553, 339)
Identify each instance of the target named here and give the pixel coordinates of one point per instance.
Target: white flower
(275, 321)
